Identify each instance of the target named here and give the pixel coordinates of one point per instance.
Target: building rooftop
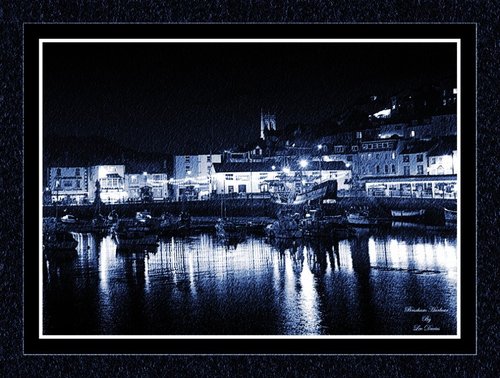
(417, 147)
(268, 166)
(445, 147)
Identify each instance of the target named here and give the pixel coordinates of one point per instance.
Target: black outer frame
(465, 345)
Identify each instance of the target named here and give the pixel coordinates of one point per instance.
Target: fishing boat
(408, 215)
(169, 224)
(297, 193)
(59, 240)
(132, 234)
(315, 223)
(363, 219)
(99, 225)
(285, 227)
(226, 228)
(450, 215)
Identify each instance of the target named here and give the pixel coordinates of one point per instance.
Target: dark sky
(173, 98)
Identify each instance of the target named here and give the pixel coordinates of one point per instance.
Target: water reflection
(200, 285)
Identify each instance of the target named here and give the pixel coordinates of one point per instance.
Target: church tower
(267, 122)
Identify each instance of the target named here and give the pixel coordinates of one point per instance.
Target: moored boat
(132, 234)
(286, 227)
(170, 224)
(59, 240)
(288, 195)
(408, 214)
(315, 223)
(450, 215)
(363, 219)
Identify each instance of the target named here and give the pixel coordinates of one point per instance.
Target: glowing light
(303, 163)
(273, 167)
(320, 146)
(286, 170)
(145, 173)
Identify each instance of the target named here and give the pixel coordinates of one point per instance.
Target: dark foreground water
(392, 283)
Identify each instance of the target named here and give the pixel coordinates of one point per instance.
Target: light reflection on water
(198, 285)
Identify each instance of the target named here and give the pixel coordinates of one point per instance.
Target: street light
(320, 147)
(303, 163)
(286, 170)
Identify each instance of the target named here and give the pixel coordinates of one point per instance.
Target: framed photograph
(249, 189)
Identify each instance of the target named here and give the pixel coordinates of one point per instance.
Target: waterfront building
(430, 187)
(412, 160)
(378, 157)
(112, 183)
(68, 185)
(245, 178)
(194, 167)
(442, 159)
(192, 174)
(426, 128)
(157, 184)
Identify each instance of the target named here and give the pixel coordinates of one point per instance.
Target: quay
(207, 211)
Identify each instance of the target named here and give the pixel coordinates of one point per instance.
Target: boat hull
(146, 242)
(59, 241)
(450, 216)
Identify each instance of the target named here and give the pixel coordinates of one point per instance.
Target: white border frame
(250, 40)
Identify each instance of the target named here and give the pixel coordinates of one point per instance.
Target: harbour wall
(378, 207)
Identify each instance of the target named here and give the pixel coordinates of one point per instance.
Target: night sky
(176, 98)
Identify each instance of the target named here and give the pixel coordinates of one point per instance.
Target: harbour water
(395, 282)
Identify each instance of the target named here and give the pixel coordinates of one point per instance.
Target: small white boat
(69, 219)
(407, 213)
(360, 219)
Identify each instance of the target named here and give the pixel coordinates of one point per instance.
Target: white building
(194, 166)
(242, 178)
(412, 160)
(443, 158)
(112, 182)
(255, 177)
(430, 187)
(68, 184)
